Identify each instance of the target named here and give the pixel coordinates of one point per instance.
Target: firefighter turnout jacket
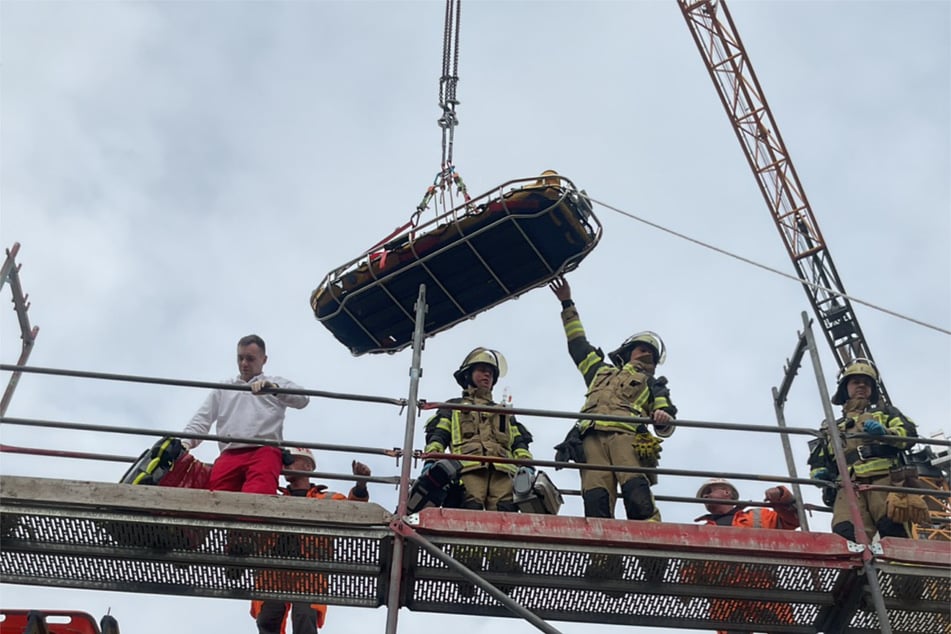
(630, 390)
(478, 433)
(875, 456)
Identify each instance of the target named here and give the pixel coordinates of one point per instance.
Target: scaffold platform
(158, 540)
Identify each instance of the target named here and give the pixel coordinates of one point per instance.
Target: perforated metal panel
(129, 553)
(654, 588)
(200, 543)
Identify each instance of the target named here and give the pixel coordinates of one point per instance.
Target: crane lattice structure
(739, 90)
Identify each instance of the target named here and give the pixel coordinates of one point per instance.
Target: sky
(180, 174)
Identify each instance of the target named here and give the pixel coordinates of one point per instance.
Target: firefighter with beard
(875, 435)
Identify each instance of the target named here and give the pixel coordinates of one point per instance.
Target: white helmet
(704, 490)
(492, 358)
(647, 337)
(304, 452)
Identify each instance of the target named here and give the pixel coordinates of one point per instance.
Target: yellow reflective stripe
(602, 424)
(434, 447)
(523, 454)
(455, 429)
(640, 401)
(589, 362)
(661, 402)
(897, 430)
(866, 467)
(574, 329)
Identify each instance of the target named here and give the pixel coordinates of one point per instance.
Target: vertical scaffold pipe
(848, 488)
(415, 372)
(790, 462)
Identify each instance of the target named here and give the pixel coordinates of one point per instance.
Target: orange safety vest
(714, 573)
(309, 545)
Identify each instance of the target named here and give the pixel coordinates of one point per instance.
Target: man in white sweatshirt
(257, 413)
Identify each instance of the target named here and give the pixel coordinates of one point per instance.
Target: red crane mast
(726, 60)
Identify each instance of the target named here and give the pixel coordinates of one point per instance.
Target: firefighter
(484, 486)
(306, 618)
(723, 510)
(876, 435)
(487, 486)
(627, 388)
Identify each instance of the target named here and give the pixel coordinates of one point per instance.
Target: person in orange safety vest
(722, 510)
(306, 618)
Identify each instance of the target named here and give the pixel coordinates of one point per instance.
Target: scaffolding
(157, 540)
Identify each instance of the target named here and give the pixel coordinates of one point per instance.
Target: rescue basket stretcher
(516, 237)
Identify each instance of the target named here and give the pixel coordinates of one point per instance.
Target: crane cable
(449, 79)
(447, 175)
(771, 269)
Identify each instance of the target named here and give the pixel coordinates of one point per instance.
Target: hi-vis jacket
(478, 433)
(870, 457)
(630, 390)
(713, 572)
(309, 546)
(783, 516)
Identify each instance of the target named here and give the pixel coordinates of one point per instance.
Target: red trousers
(248, 470)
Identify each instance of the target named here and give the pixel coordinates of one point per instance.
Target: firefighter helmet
(623, 353)
(303, 452)
(704, 490)
(856, 367)
(492, 358)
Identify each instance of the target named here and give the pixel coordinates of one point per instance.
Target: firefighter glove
(647, 447)
(905, 507)
(571, 448)
(874, 427)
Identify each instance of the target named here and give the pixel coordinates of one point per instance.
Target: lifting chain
(449, 79)
(447, 176)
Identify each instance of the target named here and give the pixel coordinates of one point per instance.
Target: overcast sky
(180, 174)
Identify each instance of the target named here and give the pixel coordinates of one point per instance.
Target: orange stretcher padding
(520, 236)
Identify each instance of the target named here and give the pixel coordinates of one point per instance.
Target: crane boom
(720, 46)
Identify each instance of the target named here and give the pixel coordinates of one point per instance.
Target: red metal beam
(924, 552)
(567, 531)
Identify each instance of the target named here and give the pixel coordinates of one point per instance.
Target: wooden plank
(63, 494)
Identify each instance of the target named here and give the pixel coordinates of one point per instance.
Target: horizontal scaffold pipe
(544, 413)
(617, 469)
(685, 500)
(401, 402)
(56, 453)
(138, 431)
